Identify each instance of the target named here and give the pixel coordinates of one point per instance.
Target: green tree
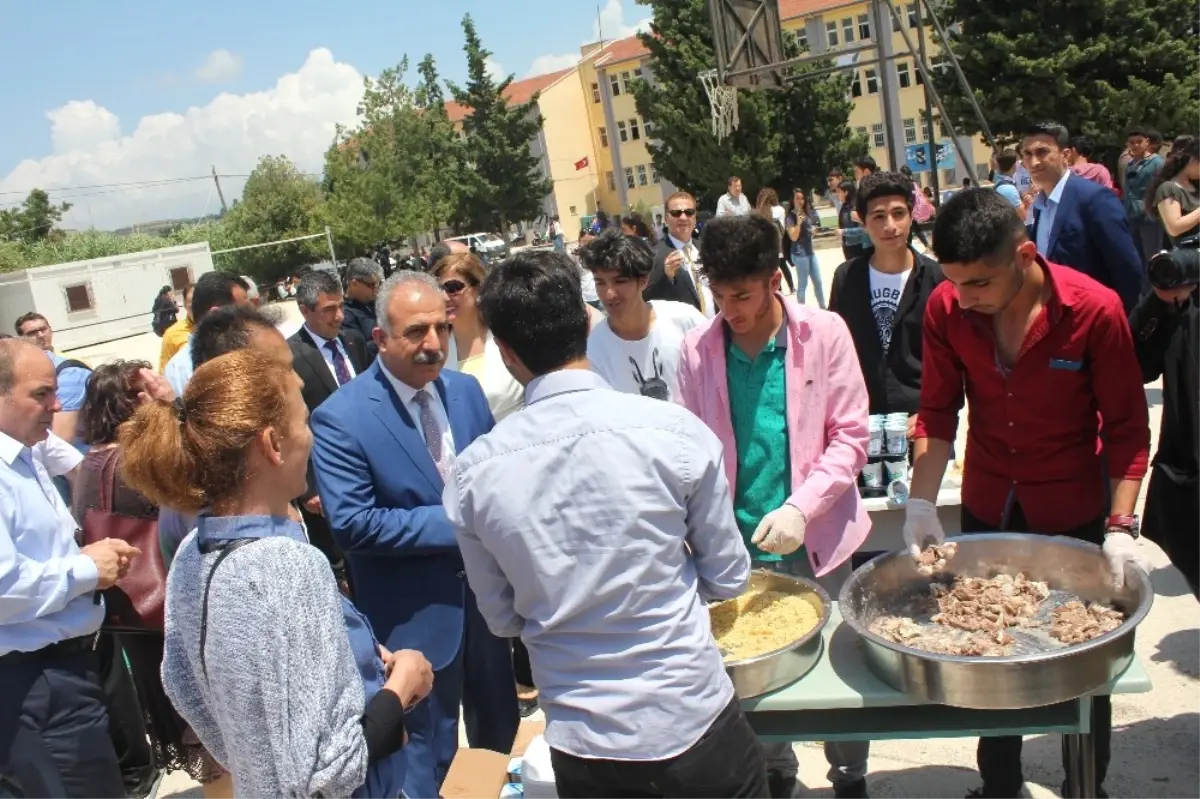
(1096, 66)
(784, 138)
(441, 187)
(278, 202)
(34, 220)
(506, 184)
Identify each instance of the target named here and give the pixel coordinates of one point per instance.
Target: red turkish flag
(581, 164)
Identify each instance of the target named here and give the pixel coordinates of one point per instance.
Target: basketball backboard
(747, 35)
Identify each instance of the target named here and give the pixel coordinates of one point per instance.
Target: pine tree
(506, 182)
(1096, 66)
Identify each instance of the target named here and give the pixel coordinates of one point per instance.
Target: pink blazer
(827, 423)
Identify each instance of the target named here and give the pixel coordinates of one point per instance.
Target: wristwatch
(1123, 524)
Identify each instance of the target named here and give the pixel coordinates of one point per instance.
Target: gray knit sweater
(282, 705)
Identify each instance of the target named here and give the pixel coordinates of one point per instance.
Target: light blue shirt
(72, 383)
(46, 585)
(594, 524)
(179, 369)
(1047, 208)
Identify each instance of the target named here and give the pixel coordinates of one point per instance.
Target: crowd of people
(289, 561)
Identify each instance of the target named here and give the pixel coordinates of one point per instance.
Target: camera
(1177, 268)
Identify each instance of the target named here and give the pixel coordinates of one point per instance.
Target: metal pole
(329, 240)
(889, 94)
(800, 60)
(928, 78)
(927, 117)
(221, 194)
(962, 79)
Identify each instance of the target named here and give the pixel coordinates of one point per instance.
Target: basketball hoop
(723, 102)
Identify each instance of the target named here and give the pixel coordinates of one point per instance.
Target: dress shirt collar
(404, 391)
(679, 245)
(321, 342)
(211, 529)
(1041, 202)
(10, 449)
(563, 381)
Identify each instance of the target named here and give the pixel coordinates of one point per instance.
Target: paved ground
(1156, 736)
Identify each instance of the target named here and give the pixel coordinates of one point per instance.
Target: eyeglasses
(453, 287)
(678, 212)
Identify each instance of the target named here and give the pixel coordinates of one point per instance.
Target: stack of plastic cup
(895, 465)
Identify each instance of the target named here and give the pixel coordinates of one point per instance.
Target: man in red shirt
(1041, 352)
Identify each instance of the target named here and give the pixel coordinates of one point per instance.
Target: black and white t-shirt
(648, 366)
(886, 290)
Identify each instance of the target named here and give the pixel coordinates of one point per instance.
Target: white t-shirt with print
(886, 291)
(648, 366)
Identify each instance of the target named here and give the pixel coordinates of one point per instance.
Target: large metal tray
(772, 671)
(1015, 681)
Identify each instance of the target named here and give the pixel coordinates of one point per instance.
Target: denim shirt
(384, 777)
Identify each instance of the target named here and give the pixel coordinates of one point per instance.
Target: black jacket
(1167, 341)
(660, 287)
(894, 380)
(360, 318)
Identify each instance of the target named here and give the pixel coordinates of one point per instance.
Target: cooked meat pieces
(1076, 623)
(977, 604)
(933, 558)
(942, 640)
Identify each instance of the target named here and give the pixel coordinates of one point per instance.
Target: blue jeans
(805, 264)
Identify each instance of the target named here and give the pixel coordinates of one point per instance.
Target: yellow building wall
(635, 158)
(567, 139)
(588, 82)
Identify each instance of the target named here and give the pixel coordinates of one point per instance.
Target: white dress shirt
(1047, 208)
(408, 398)
(179, 369)
(691, 262)
(323, 346)
(46, 584)
(594, 525)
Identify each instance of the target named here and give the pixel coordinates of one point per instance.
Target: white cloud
(295, 117)
(495, 69)
(611, 26)
(219, 66)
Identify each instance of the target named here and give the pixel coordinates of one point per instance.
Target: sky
(120, 107)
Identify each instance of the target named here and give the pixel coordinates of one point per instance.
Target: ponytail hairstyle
(767, 199)
(1183, 150)
(191, 453)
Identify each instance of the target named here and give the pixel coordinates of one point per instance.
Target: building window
(634, 132)
(612, 181)
(864, 27)
(614, 84)
(79, 297)
(595, 92)
(831, 34)
(848, 29)
(648, 129)
(637, 72)
(910, 131)
(629, 177)
(603, 136)
(856, 86)
(181, 277)
(877, 134)
(653, 174)
(641, 172)
(872, 82)
(895, 24)
(943, 129)
(573, 211)
(622, 132)
(625, 82)
(861, 131)
(801, 37)
(903, 75)
(913, 19)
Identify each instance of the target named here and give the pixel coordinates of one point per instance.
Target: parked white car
(487, 244)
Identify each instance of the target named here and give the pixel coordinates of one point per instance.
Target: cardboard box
(481, 773)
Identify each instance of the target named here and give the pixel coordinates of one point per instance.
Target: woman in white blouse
(472, 349)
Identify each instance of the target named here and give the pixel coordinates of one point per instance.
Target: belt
(62, 649)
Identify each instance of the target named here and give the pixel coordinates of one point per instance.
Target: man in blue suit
(1076, 222)
(384, 444)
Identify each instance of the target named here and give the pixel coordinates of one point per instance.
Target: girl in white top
(472, 349)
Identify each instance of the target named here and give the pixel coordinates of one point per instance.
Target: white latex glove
(1122, 549)
(921, 526)
(781, 532)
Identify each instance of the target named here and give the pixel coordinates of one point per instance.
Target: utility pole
(889, 93)
(927, 114)
(221, 194)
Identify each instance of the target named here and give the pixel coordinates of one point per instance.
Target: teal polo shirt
(758, 409)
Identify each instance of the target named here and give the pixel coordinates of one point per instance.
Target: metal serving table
(841, 699)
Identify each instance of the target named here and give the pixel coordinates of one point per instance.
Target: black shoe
(854, 790)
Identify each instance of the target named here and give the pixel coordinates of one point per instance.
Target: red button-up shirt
(1034, 434)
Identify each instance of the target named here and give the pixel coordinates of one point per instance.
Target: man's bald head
(442, 249)
(27, 392)
(11, 351)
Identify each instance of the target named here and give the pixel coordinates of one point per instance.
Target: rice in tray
(759, 622)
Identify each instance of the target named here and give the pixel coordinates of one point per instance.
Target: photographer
(1166, 331)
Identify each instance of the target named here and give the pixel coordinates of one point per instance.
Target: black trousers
(126, 723)
(999, 758)
(727, 761)
(785, 267)
(54, 734)
(522, 670)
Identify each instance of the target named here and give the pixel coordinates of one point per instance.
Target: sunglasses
(678, 212)
(453, 287)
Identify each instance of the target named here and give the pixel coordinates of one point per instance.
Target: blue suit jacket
(1091, 234)
(382, 496)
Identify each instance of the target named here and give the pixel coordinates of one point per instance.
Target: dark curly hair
(612, 249)
(111, 398)
(977, 225)
(882, 184)
(736, 247)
